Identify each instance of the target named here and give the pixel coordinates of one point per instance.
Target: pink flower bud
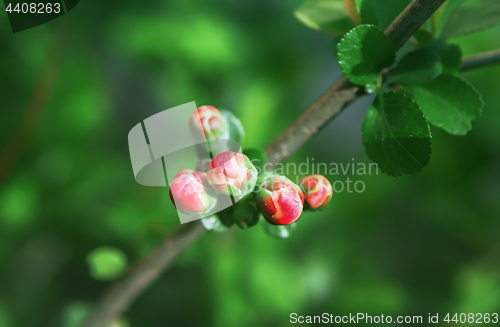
(190, 193)
(232, 173)
(208, 121)
(280, 200)
(317, 191)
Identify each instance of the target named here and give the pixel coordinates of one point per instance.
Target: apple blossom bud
(232, 173)
(208, 121)
(317, 191)
(190, 193)
(280, 200)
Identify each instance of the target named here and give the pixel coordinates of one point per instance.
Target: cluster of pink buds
(277, 198)
(229, 173)
(281, 201)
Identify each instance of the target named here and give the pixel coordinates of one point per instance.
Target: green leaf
(451, 55)
(417, 67)
(106, 263)
(367, 12)
(363, 52)
(257, 156)
(423, 37)
(471, 16)
(381, 12)
(436, 17)
(449, 102)
(352, 10)
(214, 224)
(327, 16)
(236, 131)
(396, 135)
(278, 231)
(246, 215)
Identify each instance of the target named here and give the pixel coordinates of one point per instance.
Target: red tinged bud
(232, 173)
(280, 200)
(190, 193)
(208, 121)
(317, 191)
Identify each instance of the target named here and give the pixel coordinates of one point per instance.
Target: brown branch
(480, 60)
(316, 117)
(117, 299)
(37, 102)
(410, 20)
(343, 93)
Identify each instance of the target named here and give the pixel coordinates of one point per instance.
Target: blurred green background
(413, 245)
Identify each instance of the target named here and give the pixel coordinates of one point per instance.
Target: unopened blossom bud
(190, 193)
(232, 173)
(280, 200)
(317, 191)
(208, 121)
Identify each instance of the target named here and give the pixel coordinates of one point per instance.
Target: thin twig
(480, 60)
(343, 93)
(319, 114)
(410, 20)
